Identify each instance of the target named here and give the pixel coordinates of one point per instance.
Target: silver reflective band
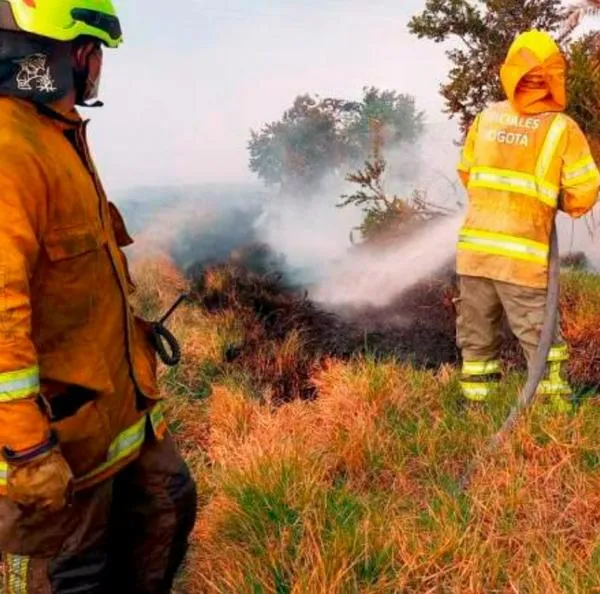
(505, 245)
(557, 129)
(505, 180)
(549, 388)
(481, 368)
(15, 385)
(560, 353)
(591, 168)
(499, 179)
(17, 569)
(478, 391)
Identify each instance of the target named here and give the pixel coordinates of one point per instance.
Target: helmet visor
(105, 22)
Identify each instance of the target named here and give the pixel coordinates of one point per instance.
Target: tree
(308, 141)
(397, 115)
(386, 217)
(583, 88)
(485, 30)
(318, 136)
(577, 12)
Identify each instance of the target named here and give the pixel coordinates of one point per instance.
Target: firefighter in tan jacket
(94, 496)
(523, 160)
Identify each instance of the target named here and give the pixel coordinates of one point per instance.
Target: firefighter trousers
(481, 308)
(127, 535)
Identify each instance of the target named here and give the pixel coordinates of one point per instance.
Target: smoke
(314, 235)
(376, 277)
(581, 236)
(311, 238)
(191, 224)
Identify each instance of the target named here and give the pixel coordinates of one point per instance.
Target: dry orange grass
(581, 324)
(357, 490)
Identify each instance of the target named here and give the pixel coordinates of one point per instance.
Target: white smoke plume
(313, 236)
(377, 277)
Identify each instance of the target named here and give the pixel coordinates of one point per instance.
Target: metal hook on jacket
(166, 345)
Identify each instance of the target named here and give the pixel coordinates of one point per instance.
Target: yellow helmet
(540, 43)
(63, 20)
(535, 57)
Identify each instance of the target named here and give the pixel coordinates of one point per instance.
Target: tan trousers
(480, 307)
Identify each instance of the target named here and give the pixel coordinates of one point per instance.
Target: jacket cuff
(24, 456)
(23, 425)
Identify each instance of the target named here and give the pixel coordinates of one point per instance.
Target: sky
(195, 76)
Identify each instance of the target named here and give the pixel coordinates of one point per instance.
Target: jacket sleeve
(467, 156)
(23, 425)
(580, 180)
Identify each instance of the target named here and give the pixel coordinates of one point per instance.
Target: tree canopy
(484, 30)
(317, 136)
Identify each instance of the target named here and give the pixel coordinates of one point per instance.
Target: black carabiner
(166, 345)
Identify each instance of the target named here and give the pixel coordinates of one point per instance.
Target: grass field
(355, 488)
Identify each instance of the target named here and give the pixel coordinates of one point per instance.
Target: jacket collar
(64, 120)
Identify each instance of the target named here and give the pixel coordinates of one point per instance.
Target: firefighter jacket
(74, 360)
(523, 160)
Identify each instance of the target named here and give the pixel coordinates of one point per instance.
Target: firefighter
(94, 496)
(523, 160)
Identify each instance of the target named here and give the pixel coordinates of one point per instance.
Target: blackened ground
(286, 336)
(417, 326)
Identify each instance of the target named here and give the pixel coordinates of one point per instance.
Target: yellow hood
(533, 75)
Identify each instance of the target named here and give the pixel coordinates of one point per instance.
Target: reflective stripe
(581, 172)
(557, 129)
(503, 245)
(128, 442)
(559, 353)
(568, 170)
(157, 419)
(555, 384)
(534, 185)
(478, 391)
(514, 181)
(16, 385)
(481, 367)
(550, 388)
(17, 570)
(555, 372)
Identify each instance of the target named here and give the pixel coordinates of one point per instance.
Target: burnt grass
(417, 327)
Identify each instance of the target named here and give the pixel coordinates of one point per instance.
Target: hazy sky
(194, 76)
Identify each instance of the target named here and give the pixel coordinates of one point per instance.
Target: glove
(39, 479)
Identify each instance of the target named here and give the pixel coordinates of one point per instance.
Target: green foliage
(385, 216)
(584, 85)
(398, 115)
(316, 136)
(485, 31)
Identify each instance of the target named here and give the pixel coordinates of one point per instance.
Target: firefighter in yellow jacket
(523, 160)
(94, 497)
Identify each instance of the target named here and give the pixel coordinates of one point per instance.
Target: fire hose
(537, 368)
